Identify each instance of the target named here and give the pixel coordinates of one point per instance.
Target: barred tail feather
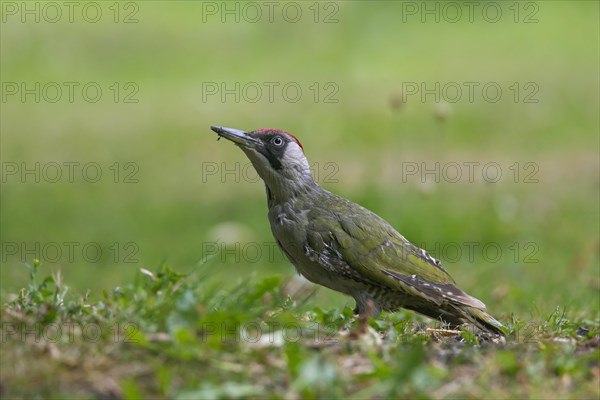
(483, 320)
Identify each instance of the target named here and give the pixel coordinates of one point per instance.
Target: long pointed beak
(236, 136)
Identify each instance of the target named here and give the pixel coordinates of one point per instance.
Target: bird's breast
(289, 226)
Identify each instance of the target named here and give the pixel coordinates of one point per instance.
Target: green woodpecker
(339, 244)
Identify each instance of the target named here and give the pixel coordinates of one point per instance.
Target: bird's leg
(366, 310)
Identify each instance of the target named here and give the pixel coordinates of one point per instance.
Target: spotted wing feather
(360, 245)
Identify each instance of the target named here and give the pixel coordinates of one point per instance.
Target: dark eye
(277, 141)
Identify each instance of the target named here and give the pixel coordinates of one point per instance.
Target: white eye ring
(277, 141)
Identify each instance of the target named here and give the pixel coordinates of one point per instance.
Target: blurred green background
(169, 192)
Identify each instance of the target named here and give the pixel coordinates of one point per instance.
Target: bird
(345, 247)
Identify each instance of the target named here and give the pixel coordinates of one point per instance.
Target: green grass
(545, 285)
(171, 335)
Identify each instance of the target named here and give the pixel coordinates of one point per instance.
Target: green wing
(362, 246)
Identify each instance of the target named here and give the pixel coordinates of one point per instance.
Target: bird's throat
(282, 191)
